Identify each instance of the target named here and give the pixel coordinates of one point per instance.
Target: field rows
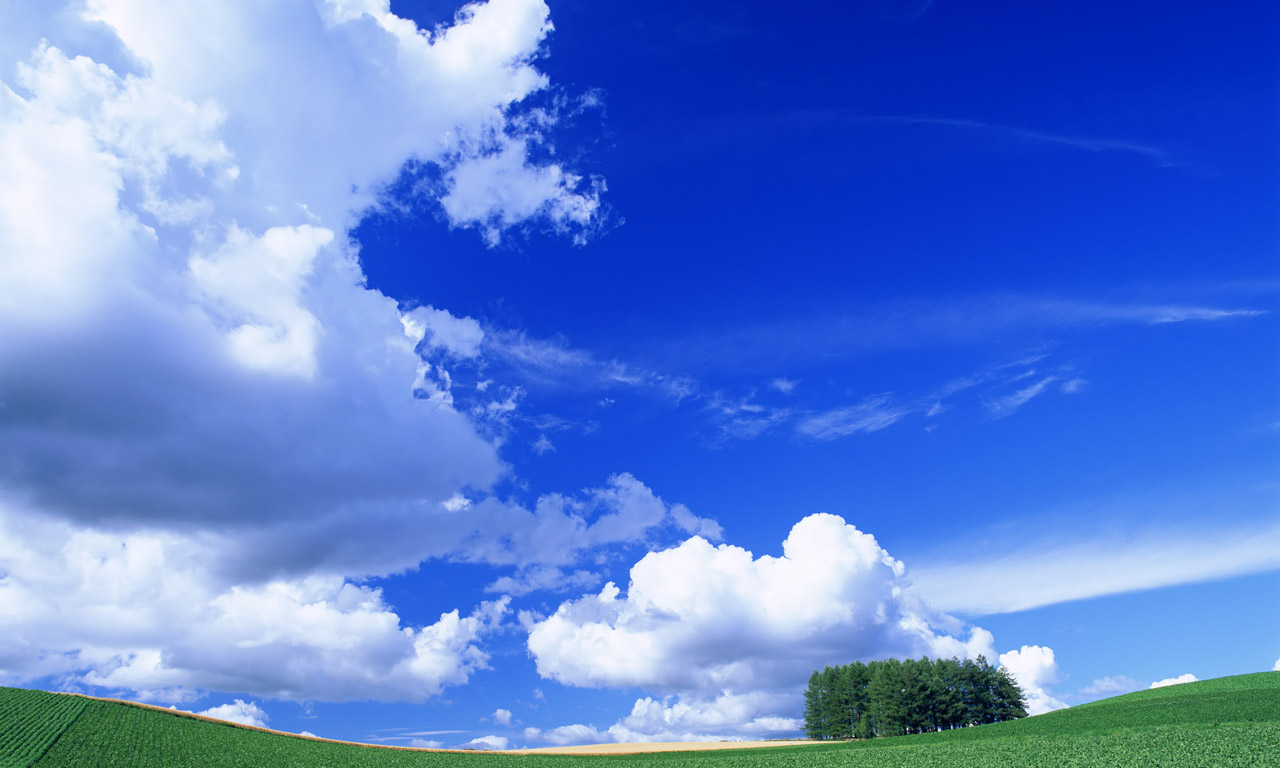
(30, 721)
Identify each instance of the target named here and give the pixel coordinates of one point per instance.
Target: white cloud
(308, 733)
(426, 743)
(1276, 668)
(259, 426)
(543, 445)
(239, 712)
(871, 415)
(726, 632)
(1035, 669)
(501, 187)
(1112, 686)
(487, 742)
(1035, 576)
(1179, 680)
(460, 336)
(502, 717)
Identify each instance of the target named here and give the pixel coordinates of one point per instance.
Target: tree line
(893, 698)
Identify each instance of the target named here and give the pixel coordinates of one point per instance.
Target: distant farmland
(1231, 721)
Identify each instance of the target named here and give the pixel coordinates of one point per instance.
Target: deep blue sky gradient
(878, 198)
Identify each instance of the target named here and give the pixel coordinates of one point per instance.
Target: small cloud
(456, 503)
(542, 577)
(784, 385)
(543, 445)
(1073, 386)
(935, 409)
(540, 696)
(1179, 680)
(502, 717)
(238, 712)
(487, 742)
(606, 402)
(1276, 668)
(1112, 686)
(426, 743)
(308, 734)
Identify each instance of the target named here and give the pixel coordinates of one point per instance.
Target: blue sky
(532, 374)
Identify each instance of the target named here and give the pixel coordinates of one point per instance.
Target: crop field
(1232, 721)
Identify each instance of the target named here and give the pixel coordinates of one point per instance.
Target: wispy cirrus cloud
(1034, 576)
(1005, 405)
(768, 347)
(1155, 154)
(870, 415)
(557, 363)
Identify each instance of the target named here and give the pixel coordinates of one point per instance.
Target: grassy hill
(1231, 721)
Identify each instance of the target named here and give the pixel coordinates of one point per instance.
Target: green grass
(1231, 721)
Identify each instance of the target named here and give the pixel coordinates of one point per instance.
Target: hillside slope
(1232, 721)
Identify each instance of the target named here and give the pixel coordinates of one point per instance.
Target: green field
(1231, 721)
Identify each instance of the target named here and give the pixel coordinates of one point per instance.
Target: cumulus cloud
(725, 636)
(137, 613)
(239, 712)
(1179, 680)
(210, 423)
(1035, 669)
(502, 716)
(1276, 667)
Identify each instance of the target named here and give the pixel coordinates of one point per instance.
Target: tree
(891, 697)
(813, 707)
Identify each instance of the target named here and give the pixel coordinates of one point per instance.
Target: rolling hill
(1230, 721)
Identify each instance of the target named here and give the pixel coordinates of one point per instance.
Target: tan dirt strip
(585, 749)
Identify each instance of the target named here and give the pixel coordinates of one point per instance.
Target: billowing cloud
(209, 423)
(239, 711)
(1179, 680)
(138, 614)
(718, 630)
(502, 716)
